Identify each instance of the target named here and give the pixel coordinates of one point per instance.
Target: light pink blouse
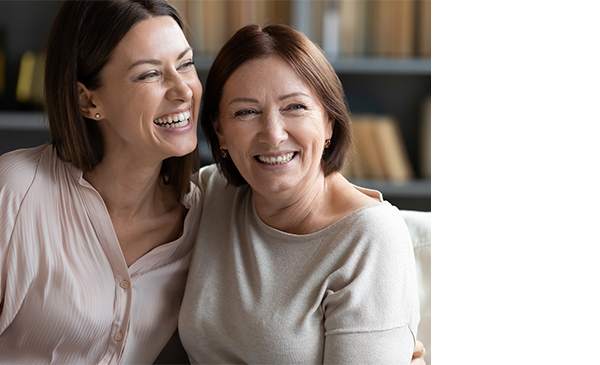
(66, 293)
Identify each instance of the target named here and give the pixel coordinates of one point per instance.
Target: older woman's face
(273, 126)
(150, 93)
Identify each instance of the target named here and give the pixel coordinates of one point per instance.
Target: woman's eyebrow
(292, 95)
(184, 53)
(283, 97)
(243, 100)
(157, 62)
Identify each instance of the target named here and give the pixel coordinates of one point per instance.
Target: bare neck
(324, 202)
(130, 190)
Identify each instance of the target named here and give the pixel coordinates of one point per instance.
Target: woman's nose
(273, 130)
(179, 89)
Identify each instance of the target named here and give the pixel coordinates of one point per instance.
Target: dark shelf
(359, 65)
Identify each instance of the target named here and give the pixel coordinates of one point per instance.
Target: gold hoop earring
(224, 153)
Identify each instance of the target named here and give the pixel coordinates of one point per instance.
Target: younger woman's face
(150, 93)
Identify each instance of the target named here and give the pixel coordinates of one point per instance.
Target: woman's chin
(183, 149)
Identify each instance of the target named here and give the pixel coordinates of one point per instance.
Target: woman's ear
(329, 127)
(219, 132)
(86, 105)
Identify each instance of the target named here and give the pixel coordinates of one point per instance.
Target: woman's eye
(149, 75)
(296, 107)
(187, 64)
(244, 113)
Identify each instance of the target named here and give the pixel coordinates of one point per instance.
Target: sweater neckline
(265, 228)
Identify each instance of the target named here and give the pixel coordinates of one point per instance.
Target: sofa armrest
(419, 226)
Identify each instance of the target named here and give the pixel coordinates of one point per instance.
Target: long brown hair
(310, 64)
(81, 42)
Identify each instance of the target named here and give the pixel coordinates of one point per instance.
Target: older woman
(293, 263)
(96, 229)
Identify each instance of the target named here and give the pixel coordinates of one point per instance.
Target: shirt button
(124, 284)
(118, 336)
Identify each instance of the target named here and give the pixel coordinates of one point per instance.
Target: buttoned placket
(123, 284)
(123, 300)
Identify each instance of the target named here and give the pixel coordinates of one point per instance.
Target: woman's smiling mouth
(174, 121)
(278, 160)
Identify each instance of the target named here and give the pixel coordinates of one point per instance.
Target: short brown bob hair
(81, 42)
(309, 62)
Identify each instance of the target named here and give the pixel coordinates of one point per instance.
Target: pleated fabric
(66, 293)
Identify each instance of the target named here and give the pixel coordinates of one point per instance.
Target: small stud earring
(224, 153)
(97, 115)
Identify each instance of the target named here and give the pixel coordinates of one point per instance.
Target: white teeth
(176, 121)
(276, 160)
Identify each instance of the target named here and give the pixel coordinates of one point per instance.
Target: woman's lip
(275, 154)
(177, 130)
(170, 118)
(177, 127)
(187, 108)
(275, 159)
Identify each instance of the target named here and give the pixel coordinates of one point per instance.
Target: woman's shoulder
(363, 206)
(379, 217)
(213, 183)
(210, 175)
(18, 168)
(17, 173)
(376, 235)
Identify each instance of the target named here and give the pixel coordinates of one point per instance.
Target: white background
(516, 182)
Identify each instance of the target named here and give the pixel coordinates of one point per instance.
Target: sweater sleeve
(17, 171)
(393, 346)
(371, 308)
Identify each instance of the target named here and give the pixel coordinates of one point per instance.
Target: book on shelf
(392, 150)
(353, 27)
(380, 150)
(213, 22)
(30, 81)
(346, 28)
(366, 147)
(331, 28)
(214, 27)
(317, 11)
(356, 28)
(424, 28)
(394, 30)
(240, 13)
(273, 12)
(195, 11)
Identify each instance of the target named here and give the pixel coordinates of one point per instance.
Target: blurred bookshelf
(23, 129)
(381, 50)
(24, 121)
